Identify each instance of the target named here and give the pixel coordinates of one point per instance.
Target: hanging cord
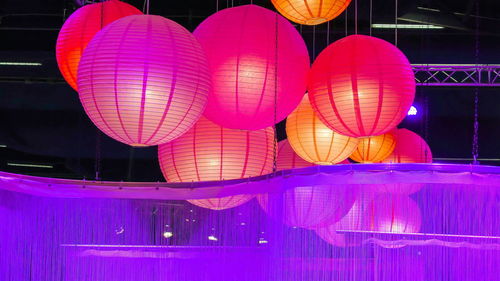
(396, 23)
(475, 138)
(275, 145)
(97, 164)
(355, 16)
(371, 16)
(345, 20)
(328, 33)
(145, 7)
(314, 43)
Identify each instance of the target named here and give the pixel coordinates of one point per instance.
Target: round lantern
(310, 12)
(209, 152)
(393, 213)
(361, 86)
(144, 80)
(288, 159)
(80, 28)
(313, 141)
(382, 213)
(353, 220)
(259, 65)
(309, 206)
(374, 149)
(410, 148)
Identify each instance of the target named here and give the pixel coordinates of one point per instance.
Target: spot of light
(18, 63)
(413, 111)
(167, 234)
(212, 238)
(263, 241)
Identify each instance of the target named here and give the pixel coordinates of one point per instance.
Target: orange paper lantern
(310, 12)
(374, 149)
(410, 148)
(80, 28)
(361, 86)
(313, 141)
(288, 159)
(209, 152)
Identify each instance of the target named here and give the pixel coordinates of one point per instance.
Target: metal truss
(482, 75)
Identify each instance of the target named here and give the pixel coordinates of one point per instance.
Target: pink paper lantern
(144, 80)
(361, 86)
(247, 58)
(381, 213)
(309, 206)
(393, 213)
(80, 28)
(410, 148)
(288, 159)
(353, 220)
(209, 152)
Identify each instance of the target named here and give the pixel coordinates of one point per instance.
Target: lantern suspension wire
(396, 23)
(328, 33)
(475, 140)
(275, 140)
(355, 16)
(314, 43)
(345, 20)
(371, 16)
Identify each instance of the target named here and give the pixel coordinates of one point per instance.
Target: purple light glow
(46, 239)
(412, 111)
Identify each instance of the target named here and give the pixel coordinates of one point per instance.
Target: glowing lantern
(247, 57)
(361, 86)
(288, 159)
(80, 28)
(144, 80)
(393, 213)
(374, 149)
(310, 12)
(353, 220)
(309, 206)
(384, 213)
(313, 141)
(410, 148)
(209, 152)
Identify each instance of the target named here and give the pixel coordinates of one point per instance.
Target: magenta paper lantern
(410, 148)
(288, 159)
(80, 28)
(393, 213)
(381, 213)
(144, 80)
(361, 86)
(256, 72)
(209, 152)
(309, 206)
(353, 220)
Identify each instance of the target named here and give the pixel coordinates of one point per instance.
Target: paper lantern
(410, 148)
(288, 159)
(80, 28)
(353, 220)
(209, 152)
(393, 213)
(310, 12)
(259, 76)
(374, 149)
(313, 141)
(361, 86)
(309, 206)
(382, 213)
(144, 80)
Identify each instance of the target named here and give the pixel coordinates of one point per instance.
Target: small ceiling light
(18, 63)
(167, 234)
(212, 238)
(413, 111)
(406, 26)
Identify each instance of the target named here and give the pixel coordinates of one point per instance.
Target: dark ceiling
(44, 123)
